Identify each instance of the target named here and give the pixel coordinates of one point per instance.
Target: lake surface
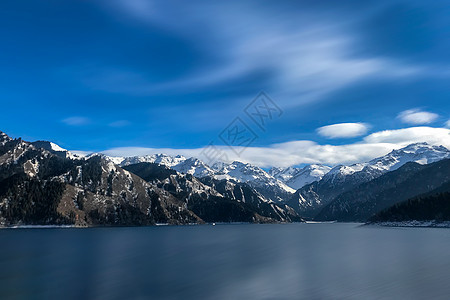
(292, 261)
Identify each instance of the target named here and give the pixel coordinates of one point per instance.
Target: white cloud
(447, 124)
(417, 117)
(76, 121)
(307, 152)
(403, 137)
(343, 130)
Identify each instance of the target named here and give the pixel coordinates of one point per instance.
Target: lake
(287, 261)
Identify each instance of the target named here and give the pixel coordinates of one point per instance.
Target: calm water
(310, 261)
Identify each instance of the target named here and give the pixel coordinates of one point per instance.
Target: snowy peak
(256, 177)
(178, 163)
(283, 174)
(299, 177)
(421, 153)
(241, 171)
(55, 149)
(347, 170)
(161, 159)
(194, 167)
(4, 138)
(308, 175)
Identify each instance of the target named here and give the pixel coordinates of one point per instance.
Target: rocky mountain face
(367, 199)
(43, 184)
(39, 187)
(4, 138)
(310, 199)
(215, 200)
(270, 187)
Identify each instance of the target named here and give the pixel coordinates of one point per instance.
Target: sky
(333, 82)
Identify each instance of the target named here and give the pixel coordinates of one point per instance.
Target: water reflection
(314, 261)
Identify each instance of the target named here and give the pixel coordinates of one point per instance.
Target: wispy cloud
(306, 58)
(119, 124)
(307, 152)
(447, 124)
(417, 117)
(343, 130)
(76, 121)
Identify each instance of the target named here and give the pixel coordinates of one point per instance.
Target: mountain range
(310, 199)
(42, 183)
(411, 179)
(269, 186)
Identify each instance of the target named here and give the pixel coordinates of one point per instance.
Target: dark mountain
(40, 187)
(432, 206)
(408, 181)
(311, 199)
(215, 200)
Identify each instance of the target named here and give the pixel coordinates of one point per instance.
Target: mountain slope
(215, 200)
(408, 181)
(433, 206)
(55, 149)
(40, 187)
(272, 188)
(310, 199)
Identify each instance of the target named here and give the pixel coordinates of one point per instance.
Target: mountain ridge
(310, 199)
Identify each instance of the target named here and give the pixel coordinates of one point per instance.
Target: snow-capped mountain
(257, 178)
(317, 184)
(215, 200)
(408, 181)
(56, 149)
(340, 179)
(44, 187)
(270, 187)
(178, 163)
(299, 177)
(421, 153)
(161, 159)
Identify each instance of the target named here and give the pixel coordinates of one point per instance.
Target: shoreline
(413, 223)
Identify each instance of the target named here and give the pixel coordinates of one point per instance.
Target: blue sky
(136, 76)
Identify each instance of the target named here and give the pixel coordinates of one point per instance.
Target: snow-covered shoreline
(414, 223)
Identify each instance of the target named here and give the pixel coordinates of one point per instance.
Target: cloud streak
(308, 152)
(76, 121)
(306, 58)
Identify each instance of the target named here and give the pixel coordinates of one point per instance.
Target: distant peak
(422, 146)
(235, 163)
(4, 137)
